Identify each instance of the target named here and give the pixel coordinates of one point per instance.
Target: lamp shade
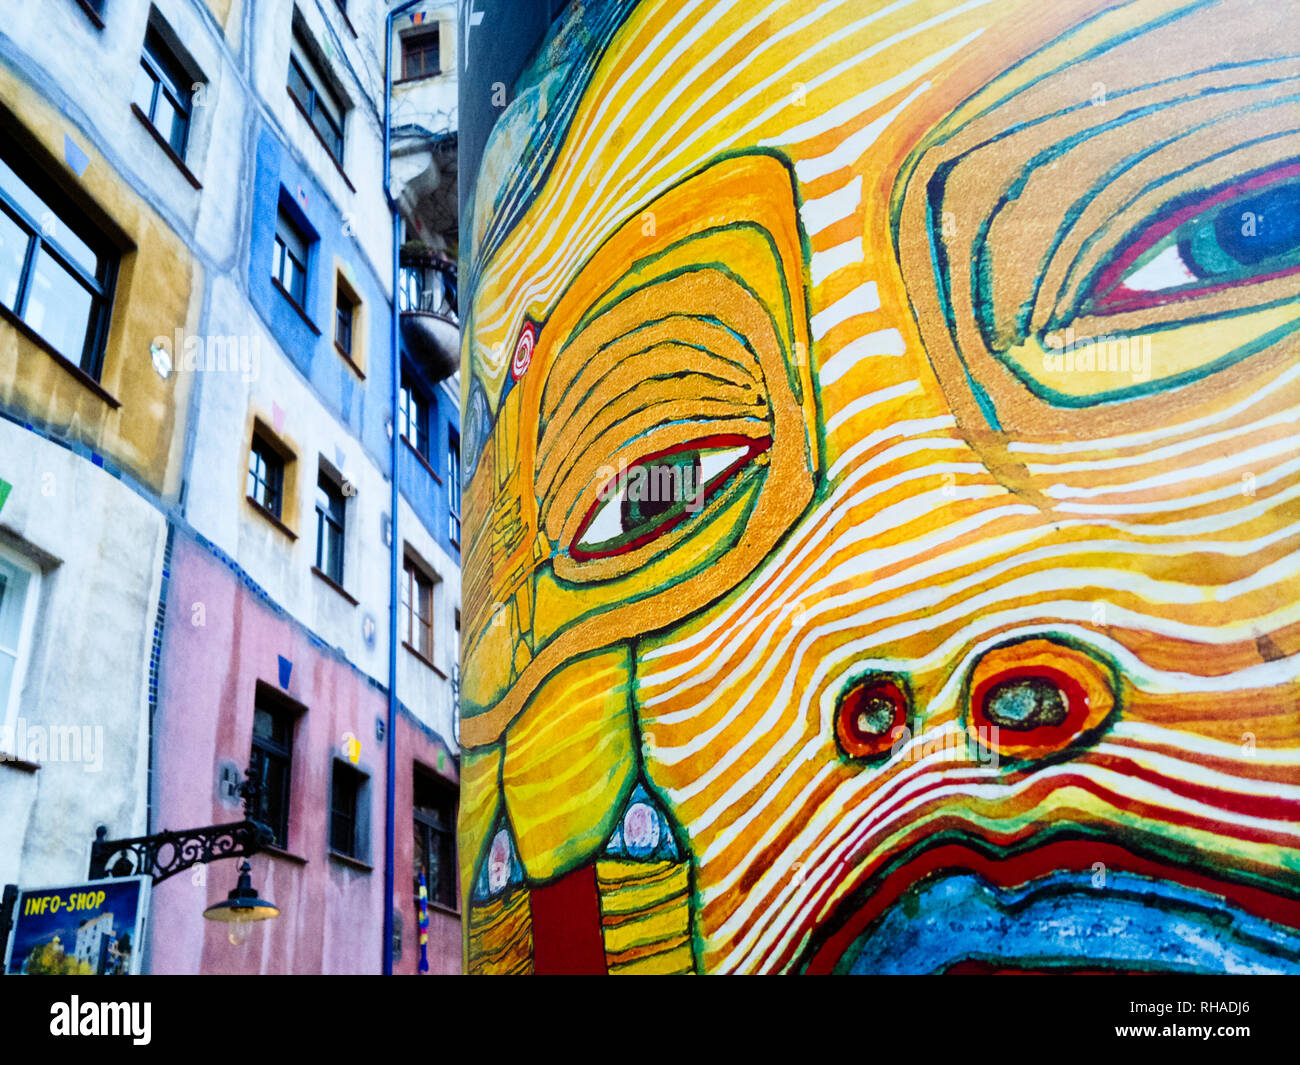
(242, 904)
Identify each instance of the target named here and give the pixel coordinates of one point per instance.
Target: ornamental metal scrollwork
(165, 854)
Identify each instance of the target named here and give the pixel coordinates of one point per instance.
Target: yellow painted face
(881, 479)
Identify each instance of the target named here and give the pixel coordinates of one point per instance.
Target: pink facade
(420, 750)
(221, 640)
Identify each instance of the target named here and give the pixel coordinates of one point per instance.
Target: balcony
(426, 299)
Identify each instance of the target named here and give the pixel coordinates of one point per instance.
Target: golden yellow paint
(569, 761)
(157, 292)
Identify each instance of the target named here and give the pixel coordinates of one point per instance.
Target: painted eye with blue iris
(1246, 233)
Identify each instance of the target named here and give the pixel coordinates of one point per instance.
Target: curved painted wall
(881, 478)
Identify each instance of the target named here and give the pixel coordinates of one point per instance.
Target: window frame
(427, 831)
(359, 849)
(100, 284)
(273, 751)
(10, 701)
(453, 486)
(344, 301)
(165, 68)
(326, 521)
(410, 392)
(286, 224)
(411, 48)
(273, 457)
(318, 86)
(416, 579)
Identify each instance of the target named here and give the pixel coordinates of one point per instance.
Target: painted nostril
(1034, 697)
(869, 715)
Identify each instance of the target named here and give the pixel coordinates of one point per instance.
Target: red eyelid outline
(753, 446)
(1114, 297)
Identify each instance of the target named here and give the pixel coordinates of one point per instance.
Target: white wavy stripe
(824, 264)
(883, 803)
(788, 558)
(543, 279)
(907, 770)
(929, 594)
(801, 546)
(1190, 527)
(889, 787)
(880, 558)
(1286, 417)
(921, 425)
(871, 399)
(888, 518)
(1258, 676)
(875, 558)
(1144, 732)
(1214, 468)
(825, 211)
(849, 150)
(1118, 443)
(1163, 506)
(774, 940)
(680, 84)
(884, 342)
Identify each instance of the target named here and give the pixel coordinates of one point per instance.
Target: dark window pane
(173, 122)
(343, 810)
(299, 85)
(269, 765)
(330, 506)
(343, 324)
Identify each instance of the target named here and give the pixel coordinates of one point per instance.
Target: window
(270, 763)
(289, 265)
(163, 91)
(345, 310)
(311, 90)
(266, 475)
(453, 485)
(56, 273)
(18, 585)
(420, 54)
(413, 417)
(347, 834)
(434, 814)
(330, 506)
(417, 608)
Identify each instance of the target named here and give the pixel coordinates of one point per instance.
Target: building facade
(196, 470)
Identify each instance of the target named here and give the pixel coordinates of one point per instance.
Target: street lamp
(241, 908)
(164, 854)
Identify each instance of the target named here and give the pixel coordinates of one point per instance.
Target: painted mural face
(881, 491)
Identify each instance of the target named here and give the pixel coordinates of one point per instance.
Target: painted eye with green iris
(660, 492)
(1242, 234)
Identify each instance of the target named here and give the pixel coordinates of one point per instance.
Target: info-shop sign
(90, 929)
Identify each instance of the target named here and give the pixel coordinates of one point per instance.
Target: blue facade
(307, 337)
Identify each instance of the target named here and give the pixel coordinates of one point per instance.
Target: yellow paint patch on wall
(155, 295)
(569, 762)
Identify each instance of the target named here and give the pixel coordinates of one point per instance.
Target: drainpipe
(390, 815)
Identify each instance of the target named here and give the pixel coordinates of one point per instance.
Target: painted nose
(1032, 698)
